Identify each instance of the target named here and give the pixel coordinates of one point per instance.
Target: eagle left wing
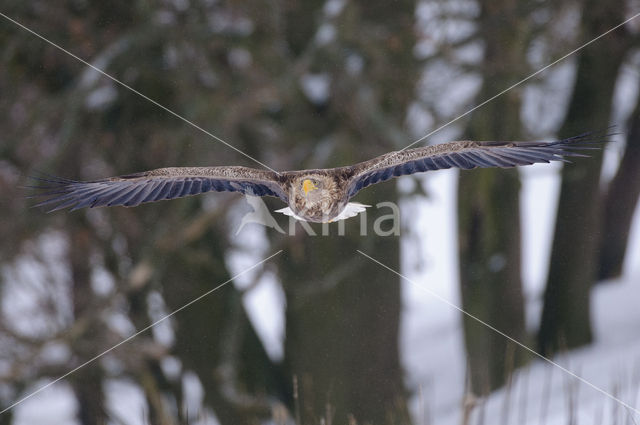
(156, 185)
(465, 155)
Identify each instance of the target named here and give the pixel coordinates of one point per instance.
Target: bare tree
(566, 318)
(489, 213)
(244, 71)
(620, 200)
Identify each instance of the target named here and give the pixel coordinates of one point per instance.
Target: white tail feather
(351, 210)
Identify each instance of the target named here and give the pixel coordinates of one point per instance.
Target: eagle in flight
(320, 195)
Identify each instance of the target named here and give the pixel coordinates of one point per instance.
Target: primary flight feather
(320, 195)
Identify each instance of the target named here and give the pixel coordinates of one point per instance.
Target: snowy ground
(540, 393)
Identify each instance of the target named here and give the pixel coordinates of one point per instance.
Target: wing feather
(145, 193)
(155, 185)
(176, 189)
(467, 155)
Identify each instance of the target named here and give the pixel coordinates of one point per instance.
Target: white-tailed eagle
(320, 195)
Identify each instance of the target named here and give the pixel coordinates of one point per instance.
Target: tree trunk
(86, 382)
(572, 271)
(343, 312)
(342, 326)
(489, 213)
(620, 203)
(214, 337)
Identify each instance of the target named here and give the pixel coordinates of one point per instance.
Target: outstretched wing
(466, 155)
(156, 185)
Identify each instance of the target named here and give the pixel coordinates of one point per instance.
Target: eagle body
(319, 195)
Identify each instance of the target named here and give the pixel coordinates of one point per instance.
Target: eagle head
(317, 198)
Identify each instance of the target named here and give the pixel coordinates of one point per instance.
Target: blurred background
(548, 254)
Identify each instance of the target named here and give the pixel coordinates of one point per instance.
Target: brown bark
(620, 202)
(86, 382)
(342, 327)
(489, 213)
(214, 338)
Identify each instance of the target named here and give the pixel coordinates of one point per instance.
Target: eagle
(318, 195)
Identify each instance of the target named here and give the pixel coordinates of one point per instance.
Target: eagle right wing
(466, 155)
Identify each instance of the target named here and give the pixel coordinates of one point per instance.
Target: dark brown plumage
(312, 195)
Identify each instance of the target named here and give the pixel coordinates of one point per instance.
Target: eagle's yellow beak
(308, 186)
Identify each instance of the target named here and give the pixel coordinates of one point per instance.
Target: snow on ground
(540, 393)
